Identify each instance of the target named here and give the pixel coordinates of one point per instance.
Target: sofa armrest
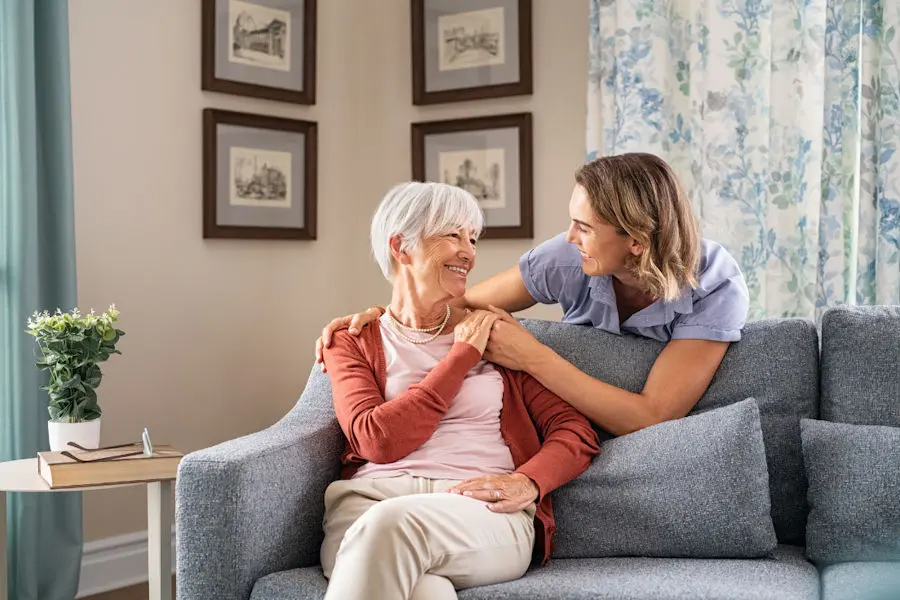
(253, 506)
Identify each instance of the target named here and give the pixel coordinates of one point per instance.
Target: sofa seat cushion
(784, 575)
(861, 581)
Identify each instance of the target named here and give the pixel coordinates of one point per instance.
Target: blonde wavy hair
(640, 195)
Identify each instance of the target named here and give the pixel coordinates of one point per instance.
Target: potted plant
(71, 345)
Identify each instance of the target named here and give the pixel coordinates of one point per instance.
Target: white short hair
(416, 210)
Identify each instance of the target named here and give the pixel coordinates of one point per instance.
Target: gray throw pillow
(854, 491)
(694, 487)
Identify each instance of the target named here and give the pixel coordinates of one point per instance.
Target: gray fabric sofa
(721, 514)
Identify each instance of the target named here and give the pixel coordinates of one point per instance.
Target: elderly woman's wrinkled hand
(510, 343)
(503, 493)
(475, 328)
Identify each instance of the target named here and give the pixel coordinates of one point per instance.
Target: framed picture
(488, 156)
(260, 48)
(259, 176)
(470, 49)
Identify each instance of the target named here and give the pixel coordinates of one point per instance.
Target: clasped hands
(509, 344)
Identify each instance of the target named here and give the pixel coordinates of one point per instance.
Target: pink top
(467, 442)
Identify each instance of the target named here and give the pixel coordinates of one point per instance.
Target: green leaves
(73, 384)
(93, 376)
(70, 346)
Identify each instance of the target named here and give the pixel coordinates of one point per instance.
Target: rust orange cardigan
(551, 454)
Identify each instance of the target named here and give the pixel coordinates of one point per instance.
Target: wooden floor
(138, 592)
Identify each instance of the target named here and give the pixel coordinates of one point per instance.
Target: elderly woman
(632, 261)
(450, 460)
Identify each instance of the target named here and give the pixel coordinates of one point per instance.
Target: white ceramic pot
(85, 434)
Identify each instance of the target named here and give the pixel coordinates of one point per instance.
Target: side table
(22, 476)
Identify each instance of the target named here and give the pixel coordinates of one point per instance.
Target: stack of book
(81, 467)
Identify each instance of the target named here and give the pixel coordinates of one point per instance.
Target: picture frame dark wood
(243, 199)
(267, 80)
(491, 156)
(435, 80)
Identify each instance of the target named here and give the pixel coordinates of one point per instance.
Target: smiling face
(632, 219)
(439, 267)
(604, 248)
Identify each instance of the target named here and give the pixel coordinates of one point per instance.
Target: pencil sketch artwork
(259, 36)
(260, 178)
(471, 39)
(479, 172)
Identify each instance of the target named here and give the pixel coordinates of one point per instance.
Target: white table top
(22, 476)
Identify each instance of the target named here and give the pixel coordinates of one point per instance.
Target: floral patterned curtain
(781, 118)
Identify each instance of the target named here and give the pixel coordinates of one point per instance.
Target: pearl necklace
(398, 327)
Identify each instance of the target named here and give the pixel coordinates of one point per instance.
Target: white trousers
(405, 538)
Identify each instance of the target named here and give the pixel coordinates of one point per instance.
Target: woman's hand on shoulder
(475, 329)
(354, 323)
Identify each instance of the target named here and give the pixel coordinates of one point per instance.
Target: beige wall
(219, 333)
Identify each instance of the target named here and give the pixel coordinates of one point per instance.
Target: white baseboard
(115, 562)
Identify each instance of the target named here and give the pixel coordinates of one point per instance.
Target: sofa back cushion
(776, 363)
(861, 365)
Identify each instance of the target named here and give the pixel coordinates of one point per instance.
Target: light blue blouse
(715, 310)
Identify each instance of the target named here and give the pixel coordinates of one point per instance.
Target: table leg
(159, 529)
(3, 580)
